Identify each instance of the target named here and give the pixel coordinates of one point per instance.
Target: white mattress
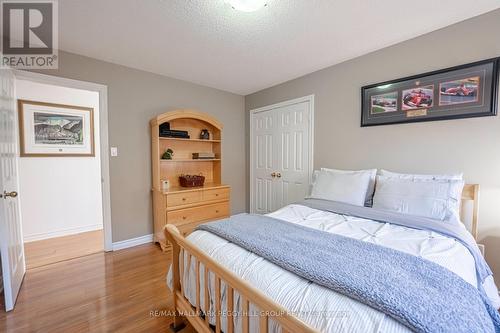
(320, 307)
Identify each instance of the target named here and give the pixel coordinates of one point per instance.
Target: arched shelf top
(183, 114)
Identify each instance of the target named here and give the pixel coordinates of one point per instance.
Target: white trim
(103, 119)
(125, 244)
(310, 100)
(61, 232)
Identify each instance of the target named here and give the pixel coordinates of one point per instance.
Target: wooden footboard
(268, 309)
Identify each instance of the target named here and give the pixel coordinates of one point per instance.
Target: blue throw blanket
(451, 229)
(418, 293)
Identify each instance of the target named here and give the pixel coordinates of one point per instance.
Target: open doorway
(51, 89)
(60, 196)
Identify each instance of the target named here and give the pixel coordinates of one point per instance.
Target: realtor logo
(29, 34)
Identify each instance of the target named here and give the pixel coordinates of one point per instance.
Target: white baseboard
(124, 244)
(61, 232)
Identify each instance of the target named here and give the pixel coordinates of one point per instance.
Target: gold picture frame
(55, 130)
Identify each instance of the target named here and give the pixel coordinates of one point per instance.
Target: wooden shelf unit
(187, 207)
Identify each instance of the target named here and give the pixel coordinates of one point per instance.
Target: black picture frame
(464, 91)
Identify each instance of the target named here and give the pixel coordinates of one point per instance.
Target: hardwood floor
(49, 251)
(104, 292)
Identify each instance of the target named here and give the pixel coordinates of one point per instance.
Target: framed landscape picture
(460, 92)
(47, 129)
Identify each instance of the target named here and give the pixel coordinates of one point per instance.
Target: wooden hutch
(187, 207)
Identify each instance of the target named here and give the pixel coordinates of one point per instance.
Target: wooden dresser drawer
(186, 198)
(199, 213)
(216, 194)
(186, 229)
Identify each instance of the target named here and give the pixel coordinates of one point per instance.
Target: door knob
(278, 175)
(6, 194)
(273, 174)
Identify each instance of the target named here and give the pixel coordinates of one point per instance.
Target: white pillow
(436, 199)
(371, 186)
(344, 187)
(457, 176)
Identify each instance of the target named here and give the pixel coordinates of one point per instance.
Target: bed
(247, 293)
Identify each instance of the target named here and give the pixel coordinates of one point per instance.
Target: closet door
(281, 154)
(293, 155)
(264, 162)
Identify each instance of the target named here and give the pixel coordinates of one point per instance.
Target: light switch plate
(114, 151)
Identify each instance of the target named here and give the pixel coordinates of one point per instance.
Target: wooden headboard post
(471, 193)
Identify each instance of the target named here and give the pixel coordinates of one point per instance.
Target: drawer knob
(216, 194)
(183, 217)
(183, 199)
(216, 210)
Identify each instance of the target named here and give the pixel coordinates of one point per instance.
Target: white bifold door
(281, 154)
(11, 241)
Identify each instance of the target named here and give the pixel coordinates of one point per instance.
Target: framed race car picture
(464, 91)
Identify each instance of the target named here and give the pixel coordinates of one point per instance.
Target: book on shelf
(174, 134)
(204, 156)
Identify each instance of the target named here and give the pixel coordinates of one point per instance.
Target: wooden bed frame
(182, 247)
(471, 194)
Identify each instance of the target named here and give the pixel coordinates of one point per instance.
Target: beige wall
(134, 97)
(468, 145)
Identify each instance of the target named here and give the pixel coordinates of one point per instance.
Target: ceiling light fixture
(247, 5)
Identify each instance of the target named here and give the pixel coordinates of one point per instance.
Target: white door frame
(310, 99)
(103, 126)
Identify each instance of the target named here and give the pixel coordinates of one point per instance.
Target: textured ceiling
(208, 42)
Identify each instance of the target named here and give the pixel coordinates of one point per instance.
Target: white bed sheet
(320, 307)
